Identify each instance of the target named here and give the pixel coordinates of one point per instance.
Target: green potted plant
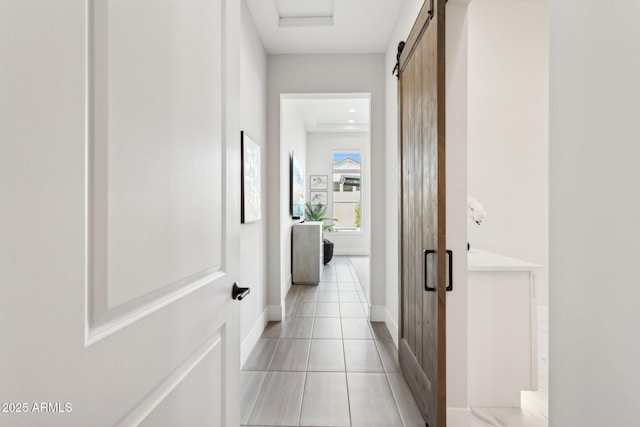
(318, 213)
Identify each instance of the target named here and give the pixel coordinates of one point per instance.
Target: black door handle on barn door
(428, 252)
(239, 293)
(450, 287)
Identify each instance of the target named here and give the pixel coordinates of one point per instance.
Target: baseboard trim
(275, 313)
(272, 313)
(287, 286)
(458, 417)
(378, 313)
(253, 336)
(392, 326)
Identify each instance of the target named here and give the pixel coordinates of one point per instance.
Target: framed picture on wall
(319, 198)
(319, 182)
(250, 184)
(297, 188)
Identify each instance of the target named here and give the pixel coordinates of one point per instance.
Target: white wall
(293, 140)
(253, 104)
(457, 38)
(326, 74)
(402, 27)
(320, 148)
(594, 207)
(456, 111)
(508, 129)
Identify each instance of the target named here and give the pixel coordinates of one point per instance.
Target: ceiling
(333, 114)
(324, 26)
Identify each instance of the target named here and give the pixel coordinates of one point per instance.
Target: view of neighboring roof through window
(347, 194)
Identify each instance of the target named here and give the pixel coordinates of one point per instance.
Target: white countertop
(478, 260)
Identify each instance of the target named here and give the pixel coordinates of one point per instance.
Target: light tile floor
(326, 364)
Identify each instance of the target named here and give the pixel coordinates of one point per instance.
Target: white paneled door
(119, 212)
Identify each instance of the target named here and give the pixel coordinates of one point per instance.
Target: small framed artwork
(319, 182)
(319, 198)
(250, 185)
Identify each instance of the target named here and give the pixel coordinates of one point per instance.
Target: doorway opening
(330, 135)
(326, 363)
(508, 174)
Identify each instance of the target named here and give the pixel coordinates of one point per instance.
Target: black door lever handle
(239, 293)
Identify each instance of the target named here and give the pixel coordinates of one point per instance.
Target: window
(347, 194)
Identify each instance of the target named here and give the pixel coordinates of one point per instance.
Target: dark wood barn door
(423, 260)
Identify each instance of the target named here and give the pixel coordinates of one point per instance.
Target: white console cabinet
(502, 329)
(307, 252)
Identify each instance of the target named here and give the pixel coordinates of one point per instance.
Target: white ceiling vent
(325, 26)
(305, 13)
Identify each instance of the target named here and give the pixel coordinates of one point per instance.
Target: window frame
(360, 171)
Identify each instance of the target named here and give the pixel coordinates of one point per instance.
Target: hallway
(326, 364)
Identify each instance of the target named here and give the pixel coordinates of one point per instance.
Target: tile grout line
(298, 298)
(263, 381)
(265, 377)
(304, 384)
(253, 405)
(306, 371)
(344, 355)
(377, 347)
(395, 399)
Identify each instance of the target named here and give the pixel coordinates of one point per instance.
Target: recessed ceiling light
(351, 121)
(353, 110)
